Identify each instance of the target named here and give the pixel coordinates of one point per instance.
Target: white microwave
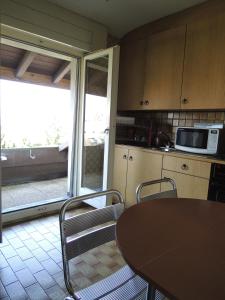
(200, 140)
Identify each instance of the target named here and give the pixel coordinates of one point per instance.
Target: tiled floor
(31, 263)
(29, 193)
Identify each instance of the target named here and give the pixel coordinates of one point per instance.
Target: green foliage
(51, 137)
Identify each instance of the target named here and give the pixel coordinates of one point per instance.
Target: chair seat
(123, 284)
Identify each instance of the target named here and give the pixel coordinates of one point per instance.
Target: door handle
(184, 167)
(106, 131)
(131, 158)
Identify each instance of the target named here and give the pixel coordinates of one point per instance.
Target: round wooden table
(177, 245)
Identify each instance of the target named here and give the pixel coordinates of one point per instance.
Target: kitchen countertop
(178, 153)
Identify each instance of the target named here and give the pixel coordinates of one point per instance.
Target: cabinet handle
(131, 158)
(124, 156)
(146, 102)
(141, 102)
(185, 101)
(184, 167)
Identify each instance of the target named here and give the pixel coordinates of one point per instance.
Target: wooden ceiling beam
(40, 79)
(25, 63)
(61, 72)
(97, 67)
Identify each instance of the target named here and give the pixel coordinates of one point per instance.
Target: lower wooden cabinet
(133, 166)
(188, 186)
(120, 169)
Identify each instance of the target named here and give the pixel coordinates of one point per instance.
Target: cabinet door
(142, 166)
(131, 75)
(164, 67)
(187, 186)
(120, 169)
(204, 67)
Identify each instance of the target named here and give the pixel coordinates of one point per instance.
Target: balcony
(32, 175)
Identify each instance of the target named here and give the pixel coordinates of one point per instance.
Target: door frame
(112, 89)
(53, 204)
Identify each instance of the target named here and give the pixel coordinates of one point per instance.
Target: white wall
(45, 19)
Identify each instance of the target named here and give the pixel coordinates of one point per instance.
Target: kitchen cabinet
(204, 65)
(120, 169)
(164, 67)
(131, 75)
(184, 68)
(188, 186)
(141, 166)
(187, 166)
(191, 176)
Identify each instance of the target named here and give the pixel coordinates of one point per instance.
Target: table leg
(151, 293)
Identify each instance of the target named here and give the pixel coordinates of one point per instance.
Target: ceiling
(122, 16)
(25, 66)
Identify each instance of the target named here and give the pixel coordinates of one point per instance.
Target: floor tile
(25, 277)
(16, 291)
(16, 263)
(51, 237)
(40, 254)
(37, 236)
(56, 293)
(23, 235)
(24, 253)
(51, 266)
(31, 244)
(3, 293)
(33, 265)
(44, 279)
(8, 251)
(10, 234)
(7, 276)
(4, 243)
(16, 243)
(46, 245)
(59, 278)
(36, 292)
(55, 255)
(3, 262)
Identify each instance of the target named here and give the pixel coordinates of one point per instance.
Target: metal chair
(153, 293)
(86, 231)
(165, 194)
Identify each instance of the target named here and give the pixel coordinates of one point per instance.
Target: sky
(33, 115)
(33, 112)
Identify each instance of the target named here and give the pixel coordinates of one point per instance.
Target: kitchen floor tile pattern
(31, 262)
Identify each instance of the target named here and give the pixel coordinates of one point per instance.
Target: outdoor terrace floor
(30, 193)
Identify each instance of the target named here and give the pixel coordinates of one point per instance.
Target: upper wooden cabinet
(131, 76)
(164, 67)
(181, 68)
(204, 67)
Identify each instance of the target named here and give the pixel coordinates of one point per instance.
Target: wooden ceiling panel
(10, 56)
(41, 68)
(45, 65)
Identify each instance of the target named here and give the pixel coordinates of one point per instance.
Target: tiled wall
(169, 121)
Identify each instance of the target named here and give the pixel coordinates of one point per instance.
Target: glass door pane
(97, 123)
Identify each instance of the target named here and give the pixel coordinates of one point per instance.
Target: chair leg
(151, 293)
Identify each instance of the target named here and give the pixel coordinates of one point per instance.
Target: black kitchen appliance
(136, 135)
(216, 190)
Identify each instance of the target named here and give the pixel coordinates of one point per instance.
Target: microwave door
(192, 139)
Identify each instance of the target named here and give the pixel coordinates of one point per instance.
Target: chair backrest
(88, 230)
(172, 193)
